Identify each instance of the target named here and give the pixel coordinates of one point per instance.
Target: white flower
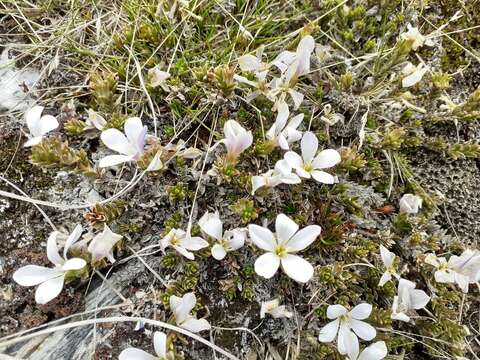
(50, 280)
(130, 145)
(237, 139)
(413, 34)
(182, 307)
(408, 298)
(348, 325)
(375, 351)
(95, 120)
(281, 133)
(388, 259)
(410, 204)
(38, 125)
(102, 244)
(281, 248)
(183, 242)
(330, 118)
(159, 344)
(228, 241)
(254, 64)
(282, 174)
(292, 66)
(462, 270)
(448, 105)
(413, 74)
(158, 77)
(310, 164)
(274, 308)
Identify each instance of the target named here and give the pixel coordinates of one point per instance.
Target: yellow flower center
(280, 251)
(308, 167)
(175, 240)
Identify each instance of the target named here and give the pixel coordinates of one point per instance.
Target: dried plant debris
(240, 180)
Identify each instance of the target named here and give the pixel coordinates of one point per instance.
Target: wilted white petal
(102, 244)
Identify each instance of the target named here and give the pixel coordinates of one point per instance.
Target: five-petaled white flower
(225, 241)
(417, 39)
(462, 270)
(375, 351)
(130, 145)
(413, 74)
(102, 244)
(236, 140)
(281, 133)
(38, 125)
(310, 164)
(410, 204)
(159, 344)
(281, 174)
(408, 299)
(348, 325)
(183, 242)
(254, 64)
(281, 248)
(274, 308)
(50, 280)
(182, 307)
(388, 259)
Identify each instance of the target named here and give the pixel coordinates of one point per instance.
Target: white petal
(309, 145)
(363, 330)
(303, 238)
(49, 290)
(52, 249)
(386, 277)
(346, 342)
(160, 343)
(258, 182)
(376, 351)
(102, 244)
(267, 265)
(136, 133)
(135, 354)
(387, 256)
(293, 159)
(33, 141)
(31, 275)
(244, 80)
(194, 243)
(213, 227)
(327, 159)
(117, 141)
(74, 264)
(351, 344)
(262, 237)
(462, 282)
(184, 252)
(285, 228)
(218, 252)
(282, 115)
(156, 163)
(47, 124)
(113, 160)
(72, 238)
(400, 317)
(236, 238)
(361, 311)
(335, 311)
(329, 331)
(419, 299)
(284, 59)
(297, 268)
(182, 307)
(282, 142)
(323, 177)
(196, 325)
(32, 117)
(297, 98)
(249, 62)
(291, 179)
(444, 276)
